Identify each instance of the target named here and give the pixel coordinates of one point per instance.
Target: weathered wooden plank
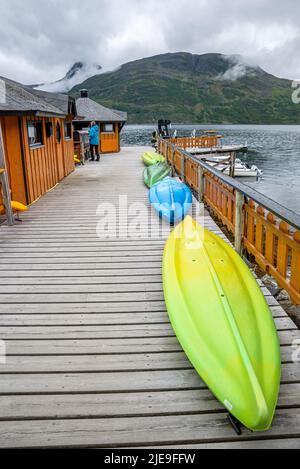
(58, 258)
(82, 265)
(123, 405)
(128, 381)
(97, 319)
(77, 282)
(91, 273)
(61, 298)
(101, 331)
(92, 346)
(109, 346)
(139, 431)
(101, 363)
(75, 263)
(46, 257)
(86, 332)
(81, 251)
(53, 308)
(290, 443)
(97, 287)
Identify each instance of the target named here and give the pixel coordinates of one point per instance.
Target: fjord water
(274, 149)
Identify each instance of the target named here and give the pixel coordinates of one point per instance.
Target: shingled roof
(17, 98)
(63, 102)
(92, 111)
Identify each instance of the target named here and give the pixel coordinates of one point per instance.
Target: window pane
(108, 127)
(68, 130)
(49, 129)
(35, 133)
(58, 132)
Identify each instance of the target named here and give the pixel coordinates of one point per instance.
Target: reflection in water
(274, 149)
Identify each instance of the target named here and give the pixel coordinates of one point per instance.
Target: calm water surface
(274, 149)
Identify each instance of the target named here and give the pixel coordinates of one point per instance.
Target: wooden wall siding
(273, 242)
(48, 164)
(196, 142)
(12, 144)
(45, 166)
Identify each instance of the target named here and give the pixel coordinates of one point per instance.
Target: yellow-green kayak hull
(151, 158)
(223, 323)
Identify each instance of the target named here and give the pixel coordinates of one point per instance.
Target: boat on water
(241, 168)
(151, 158)
(156, 173)
(171, 199)
(223, 323)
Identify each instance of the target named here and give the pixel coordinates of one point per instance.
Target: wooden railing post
(172, 162)
(232, 164)
(200, 184)
(5, 183)
(239, 221)
(183, 169)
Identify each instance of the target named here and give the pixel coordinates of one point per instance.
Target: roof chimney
(84, 93)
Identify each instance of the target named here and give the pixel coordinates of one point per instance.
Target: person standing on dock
(94, 141)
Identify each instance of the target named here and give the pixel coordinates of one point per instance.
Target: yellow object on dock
(16, 206)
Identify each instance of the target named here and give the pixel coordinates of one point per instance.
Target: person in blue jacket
(94, 141)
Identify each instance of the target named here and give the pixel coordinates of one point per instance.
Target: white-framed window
(68, 130)
(109, 128)
(35, 133)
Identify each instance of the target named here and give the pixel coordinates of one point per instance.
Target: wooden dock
(92, 360)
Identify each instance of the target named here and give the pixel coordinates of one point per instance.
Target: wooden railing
(261, 227)
(206, 141)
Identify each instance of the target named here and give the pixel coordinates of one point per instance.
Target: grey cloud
(39, 40)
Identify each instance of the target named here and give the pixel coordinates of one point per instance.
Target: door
(59, 149)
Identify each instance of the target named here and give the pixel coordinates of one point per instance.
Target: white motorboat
(241, 169)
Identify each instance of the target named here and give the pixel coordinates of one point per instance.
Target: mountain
(187, 88)
(79, 72)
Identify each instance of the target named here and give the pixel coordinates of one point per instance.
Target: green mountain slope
(187, 88)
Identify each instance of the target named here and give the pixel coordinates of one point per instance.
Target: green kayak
(151, 158)
(155, 174)
(223, 323)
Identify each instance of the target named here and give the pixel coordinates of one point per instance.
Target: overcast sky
(39, 39)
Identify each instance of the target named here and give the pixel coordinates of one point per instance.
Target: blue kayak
(171, 199)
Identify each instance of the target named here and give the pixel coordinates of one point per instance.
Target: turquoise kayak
(171, 199)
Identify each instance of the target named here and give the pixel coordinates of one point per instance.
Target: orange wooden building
(38, 139)
(110, 122)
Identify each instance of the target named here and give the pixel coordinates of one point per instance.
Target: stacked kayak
(223, 323)
(151, 158)
(156, 173)
(171, 199)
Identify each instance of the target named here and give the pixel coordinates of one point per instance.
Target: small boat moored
(151, 158)
(223, 323)
(171, 199)
(241, 168)
(156, 173)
